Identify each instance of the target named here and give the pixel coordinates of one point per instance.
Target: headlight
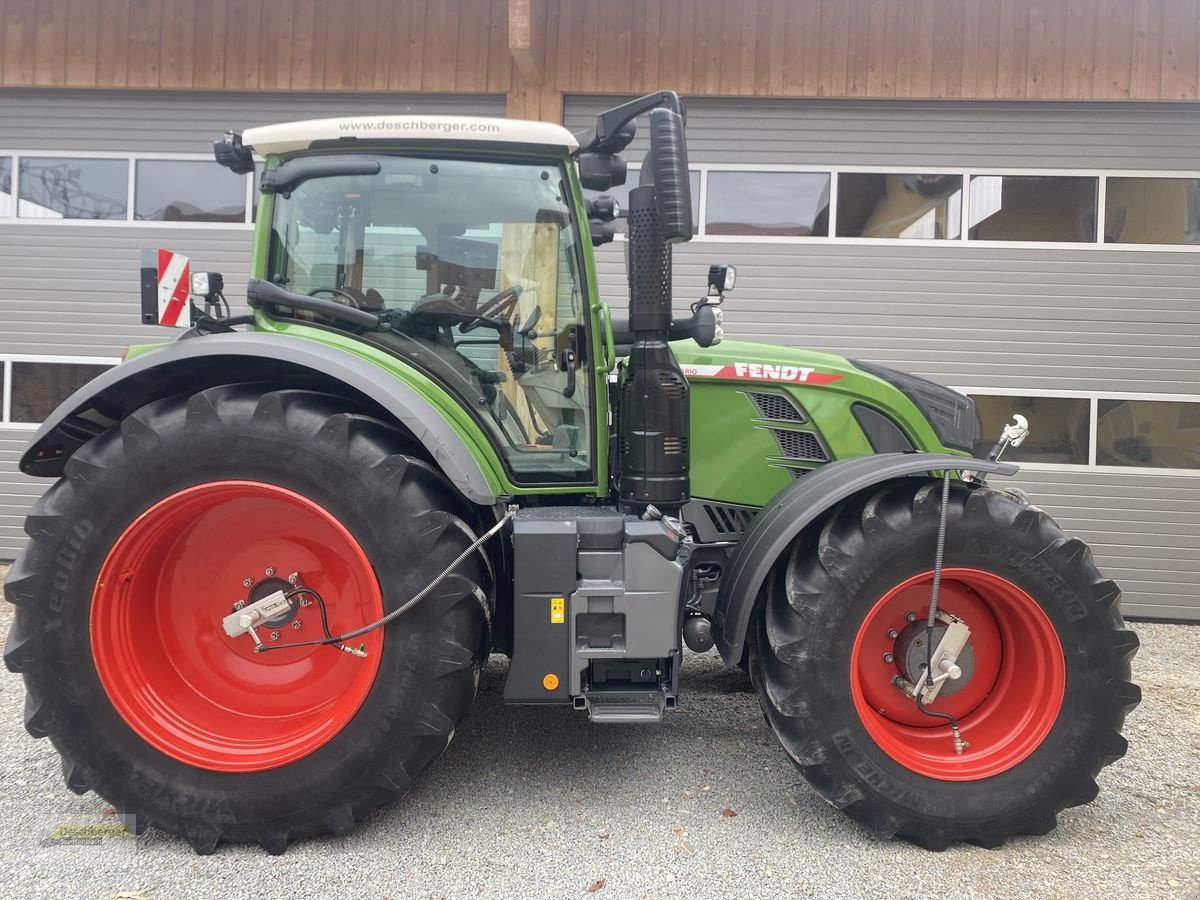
(952, 414)
(200, 284)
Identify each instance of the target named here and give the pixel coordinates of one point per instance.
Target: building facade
(1003, 196)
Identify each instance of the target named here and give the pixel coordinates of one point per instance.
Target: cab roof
(291, 137)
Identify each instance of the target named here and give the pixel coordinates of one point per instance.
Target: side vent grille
(672, 387)
(728, 519)
(799, 445)
(675, 446)
(799, 473)
(777, 407)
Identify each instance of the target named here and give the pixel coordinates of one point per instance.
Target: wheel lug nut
(297, 625)
(241, 604)
(293, 578)
(246, 582)
(887, 657)
(910, 617)
(270, 571)
(304, 601)
(893, 633)
(274, 635)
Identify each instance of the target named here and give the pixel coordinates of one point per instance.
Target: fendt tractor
(256, 602)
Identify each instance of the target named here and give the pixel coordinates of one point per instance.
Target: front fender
(795, 508)
(192, 365)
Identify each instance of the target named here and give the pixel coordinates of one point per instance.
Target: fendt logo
(769, 372)
(761, 372)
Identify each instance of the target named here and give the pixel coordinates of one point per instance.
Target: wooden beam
(526, 57)
(536, 101)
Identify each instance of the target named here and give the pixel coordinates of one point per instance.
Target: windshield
(475, 267)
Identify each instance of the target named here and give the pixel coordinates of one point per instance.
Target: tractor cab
(463, 247)
(469, 254)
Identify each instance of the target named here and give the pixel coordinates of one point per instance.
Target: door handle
(570, 362)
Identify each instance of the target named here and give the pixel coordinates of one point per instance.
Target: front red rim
(167, 665)
(1006, 708)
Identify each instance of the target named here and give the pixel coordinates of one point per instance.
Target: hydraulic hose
(398, 611)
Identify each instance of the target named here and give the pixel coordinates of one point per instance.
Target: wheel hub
(912, 651)
(265, 588)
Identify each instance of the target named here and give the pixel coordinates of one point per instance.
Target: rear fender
(192, 365)
(795, 508)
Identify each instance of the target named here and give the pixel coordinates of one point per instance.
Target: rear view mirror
(668, 165)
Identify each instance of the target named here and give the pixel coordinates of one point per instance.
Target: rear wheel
(196, 507)
(1045, 675)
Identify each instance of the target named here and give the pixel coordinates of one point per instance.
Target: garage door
(1042, 257)
(88, 179)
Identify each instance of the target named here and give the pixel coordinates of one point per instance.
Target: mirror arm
(680, 329)
(611, 121)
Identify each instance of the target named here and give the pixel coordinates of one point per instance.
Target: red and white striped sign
(174, 284)
(761, 372)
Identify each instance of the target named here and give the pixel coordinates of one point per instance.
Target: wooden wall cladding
(303, 45)
(912, 49)
(916, 49)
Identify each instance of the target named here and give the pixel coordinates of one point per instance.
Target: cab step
(625, 705)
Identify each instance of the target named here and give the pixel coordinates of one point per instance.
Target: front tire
(143, 547)
(1041, 707)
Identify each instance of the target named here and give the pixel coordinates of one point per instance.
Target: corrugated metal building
(1006, 202)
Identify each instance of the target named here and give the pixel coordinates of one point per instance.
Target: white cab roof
(292, 136)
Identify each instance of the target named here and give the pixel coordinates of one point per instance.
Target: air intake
(728, 520)
(777, 407)
(799, 445)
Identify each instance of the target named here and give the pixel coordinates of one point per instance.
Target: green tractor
(256, 602)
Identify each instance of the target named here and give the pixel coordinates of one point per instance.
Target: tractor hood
(934, 416)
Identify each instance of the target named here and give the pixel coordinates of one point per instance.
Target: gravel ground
(531, 802)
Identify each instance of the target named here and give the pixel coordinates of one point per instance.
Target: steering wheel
(500, 304)
(336, 292)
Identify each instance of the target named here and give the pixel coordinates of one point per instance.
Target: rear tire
(1042, 709)
(141, 549)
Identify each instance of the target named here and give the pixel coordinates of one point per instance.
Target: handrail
(610, 349)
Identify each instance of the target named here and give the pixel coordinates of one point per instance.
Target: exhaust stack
(654, 397)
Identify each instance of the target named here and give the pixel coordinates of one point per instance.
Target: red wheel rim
(174, 675)
(1007, 706)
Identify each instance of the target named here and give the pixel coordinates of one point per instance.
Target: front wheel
(1044, 684)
